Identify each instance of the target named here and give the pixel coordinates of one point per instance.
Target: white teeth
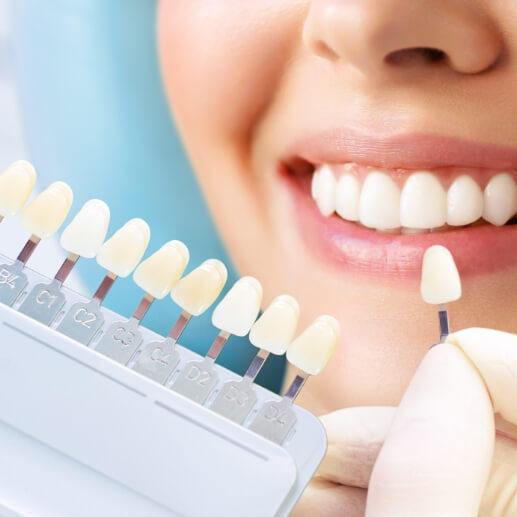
(347, 197)
(422, 206)
(325, 189)
(379, 204)
(500, 199)
(423, 202)
(464, 202)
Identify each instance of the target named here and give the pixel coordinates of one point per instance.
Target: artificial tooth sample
(119, 255)
(423, 202)
(235, 314)
(326, 190)
(124, 249)
(464, 202)
(500, 199)
(271, 333)
(81, 238)
(379, 204)
(194, 293)
(16, 185)
(42, 217)
(348, 193)
(310, 353)
(155, 275)
(440, 283)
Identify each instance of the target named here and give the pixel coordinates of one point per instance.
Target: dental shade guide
(42, 217)
(234, 315)
(309, 352)
(119, 255)
(81, 238)
(155, 276)
(75, 421)
(194, 293)
(440, 284)
(271, 334)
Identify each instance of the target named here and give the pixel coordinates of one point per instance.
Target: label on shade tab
(120, 341)
(235, 400)
(158, 360)
(44, 302)
(196, 380)
(82, 321)
(12, 282)
(274, 420)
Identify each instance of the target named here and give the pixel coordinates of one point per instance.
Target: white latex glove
(438, 456)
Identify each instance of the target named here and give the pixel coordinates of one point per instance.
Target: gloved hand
(437, 454)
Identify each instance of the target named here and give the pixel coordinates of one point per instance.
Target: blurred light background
(81, 97)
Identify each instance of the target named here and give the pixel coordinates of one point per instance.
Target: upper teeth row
(423, 202)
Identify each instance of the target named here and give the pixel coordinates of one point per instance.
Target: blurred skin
(240, 75)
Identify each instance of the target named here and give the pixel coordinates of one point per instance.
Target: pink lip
(401, 151)
(477, 250)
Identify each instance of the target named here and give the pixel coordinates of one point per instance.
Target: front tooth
(326, 191)
(16, 184)
(379, 204)
(45, 214)
(274, 330)
(239, 308)
(124, 249)
(423, 203)
(159, 272)
(314, 185)
(464, 202)
(313, 348)
(195, 292)
(87, 231)
(347, 197)
(500, 199)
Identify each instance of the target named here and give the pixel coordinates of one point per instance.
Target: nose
(377, 35)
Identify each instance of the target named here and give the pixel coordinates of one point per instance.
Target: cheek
(221, 61)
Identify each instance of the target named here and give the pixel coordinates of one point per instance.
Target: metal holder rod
(28, 249)
(104, 287)
(179, 326)
(256, 365)
(443, 317)
(295, 387)
(66, 267)
(217, 345)
(143, 307)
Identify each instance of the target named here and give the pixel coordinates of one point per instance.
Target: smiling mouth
(381, 218)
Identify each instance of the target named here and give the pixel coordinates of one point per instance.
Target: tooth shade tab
(379, 204)
(464, 202)
(313, 348)
(239, 308)
(195, 292)
(275, 328)
(500, 199)
(87, 231)
(124, 249)
(348, 193)
(440, 278)
(16, 185)
(423, 202)
(157, 274)
(44, 215)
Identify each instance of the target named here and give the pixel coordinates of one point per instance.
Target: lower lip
(352, 247)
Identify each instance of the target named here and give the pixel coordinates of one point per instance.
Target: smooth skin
(240, 75)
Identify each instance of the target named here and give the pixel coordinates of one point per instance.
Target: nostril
(415, 56)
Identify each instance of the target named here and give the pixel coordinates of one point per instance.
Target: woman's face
(266, 92)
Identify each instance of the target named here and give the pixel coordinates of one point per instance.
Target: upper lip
(405, 151)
